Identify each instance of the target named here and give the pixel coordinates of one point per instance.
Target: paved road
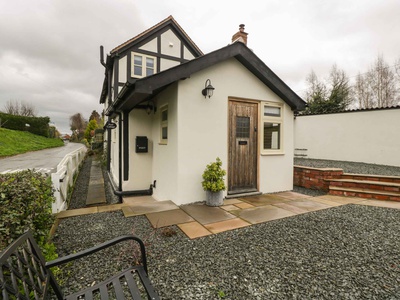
(44, 161)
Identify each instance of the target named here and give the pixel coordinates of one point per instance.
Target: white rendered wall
(170, 44)
(140, 164)
(122, 70)
(203, 130)
(165, 157)
(167, 63)
(364, 136)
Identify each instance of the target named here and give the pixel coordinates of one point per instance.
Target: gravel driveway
(346, 252)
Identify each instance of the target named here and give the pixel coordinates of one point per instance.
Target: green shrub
(25, 203)
(213, 177)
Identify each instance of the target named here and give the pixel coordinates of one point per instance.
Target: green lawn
(14, 142)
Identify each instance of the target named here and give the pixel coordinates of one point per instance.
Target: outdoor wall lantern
(208, 89)
(151, 107)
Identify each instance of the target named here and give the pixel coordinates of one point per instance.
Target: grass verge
(14, 142)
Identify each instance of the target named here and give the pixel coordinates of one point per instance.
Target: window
(164, 125)
(272, 120)
(143, 65)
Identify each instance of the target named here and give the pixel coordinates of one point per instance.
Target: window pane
(164, 115)
(137, 60)
(242, 127)
(272, 111)
(149, 72)
(272, 136)
(164, 133)
(150, 62)
(137, 70)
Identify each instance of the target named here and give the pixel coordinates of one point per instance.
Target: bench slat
(23, 270)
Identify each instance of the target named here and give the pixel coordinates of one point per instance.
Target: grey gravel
(349, 167)
(346, 252)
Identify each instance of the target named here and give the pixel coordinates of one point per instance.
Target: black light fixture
(208, 89)
(150, 107)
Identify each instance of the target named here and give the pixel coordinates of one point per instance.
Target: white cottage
(163, 128)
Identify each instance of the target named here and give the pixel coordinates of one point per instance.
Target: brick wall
(314, 178)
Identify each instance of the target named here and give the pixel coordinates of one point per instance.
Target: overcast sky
(49, 49)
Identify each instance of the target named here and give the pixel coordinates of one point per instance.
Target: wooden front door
(242, 165)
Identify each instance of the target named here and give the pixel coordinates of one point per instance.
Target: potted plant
(213, 183)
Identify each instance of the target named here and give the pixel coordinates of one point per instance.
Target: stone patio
(198, 220)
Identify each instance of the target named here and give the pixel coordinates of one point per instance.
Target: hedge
(37, 125)
(25, 203)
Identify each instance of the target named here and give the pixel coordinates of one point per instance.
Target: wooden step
(364, 193)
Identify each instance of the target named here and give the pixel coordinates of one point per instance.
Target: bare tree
(77, 124)
(19, 108)
(382, 81)
(362, 91)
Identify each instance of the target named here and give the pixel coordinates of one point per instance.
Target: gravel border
(346, 252)
(349, 167)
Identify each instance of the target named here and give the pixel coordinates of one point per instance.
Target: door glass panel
(242, 127)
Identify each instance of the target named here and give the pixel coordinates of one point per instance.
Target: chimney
(240, 36)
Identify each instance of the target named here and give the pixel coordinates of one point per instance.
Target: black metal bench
(25, 274)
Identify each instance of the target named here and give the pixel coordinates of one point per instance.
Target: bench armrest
(71, 257)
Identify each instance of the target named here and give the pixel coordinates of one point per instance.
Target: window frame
(144, 66)
(163, 124)
(273, 119)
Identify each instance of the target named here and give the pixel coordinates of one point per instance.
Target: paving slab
(291, 195)
(96, 194)
(326, 201)
(77, 212)
(206, 214)
(148, 207)
(244, 205)
(226, 225)
(134, 200)
(194, 230)
(265, 199)
(111, 207)
(310, 205)
(262, 214)
(168, 218)
(231, 201)
(292, 208)
(230, 207)
(381, 203)
(341, 200)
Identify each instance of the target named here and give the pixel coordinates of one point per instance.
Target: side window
(138, 65)
(272, 120)
(164, 125)
(142, 65)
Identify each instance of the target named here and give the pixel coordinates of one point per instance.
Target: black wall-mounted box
(142, 144)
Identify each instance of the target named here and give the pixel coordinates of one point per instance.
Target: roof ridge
(169, 18)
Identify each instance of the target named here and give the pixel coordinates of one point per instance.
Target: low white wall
(371, 136)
